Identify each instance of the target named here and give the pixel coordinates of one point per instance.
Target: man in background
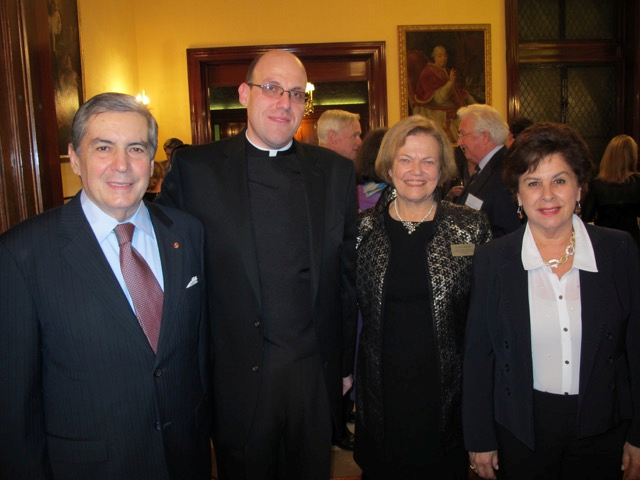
(281, 234)
(169, 146)
(96, 383)
(340, 131)
(482, 135)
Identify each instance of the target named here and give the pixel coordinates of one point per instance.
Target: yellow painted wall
(128, 46)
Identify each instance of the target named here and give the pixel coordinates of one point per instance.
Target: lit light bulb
(309, 105)
(142, 98)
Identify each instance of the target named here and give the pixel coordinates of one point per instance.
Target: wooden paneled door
(30, 179)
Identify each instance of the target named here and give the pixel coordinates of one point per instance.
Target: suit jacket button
(610, 361)
(611, 386)
(158, 372)
(609, 336)
(256, 323)
(255, 368)
(507, 368)
(157, 426)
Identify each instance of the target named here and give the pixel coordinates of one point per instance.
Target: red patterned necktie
(141, 284)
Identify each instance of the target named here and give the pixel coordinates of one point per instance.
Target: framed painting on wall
(67, 73)
(443, 68)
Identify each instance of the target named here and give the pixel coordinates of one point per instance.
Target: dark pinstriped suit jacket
(82, 394)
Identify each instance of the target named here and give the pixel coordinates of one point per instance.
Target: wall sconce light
(309, 104)
(142, 98)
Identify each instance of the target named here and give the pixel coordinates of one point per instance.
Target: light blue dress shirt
(144, 240)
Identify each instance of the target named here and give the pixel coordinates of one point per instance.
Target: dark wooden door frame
(200, 59)
(30, 177)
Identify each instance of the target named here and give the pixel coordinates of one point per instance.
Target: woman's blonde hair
(395, 139)
(620, 160)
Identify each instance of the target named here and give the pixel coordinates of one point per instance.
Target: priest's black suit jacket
(210, 182)
(82, 394)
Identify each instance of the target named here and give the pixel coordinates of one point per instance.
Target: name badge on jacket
(473, 202)
(461, 250)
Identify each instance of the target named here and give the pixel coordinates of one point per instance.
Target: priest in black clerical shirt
(280, 220)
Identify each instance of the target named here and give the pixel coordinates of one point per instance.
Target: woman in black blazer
(551, 368)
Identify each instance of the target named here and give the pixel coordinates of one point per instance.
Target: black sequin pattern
(449, 278)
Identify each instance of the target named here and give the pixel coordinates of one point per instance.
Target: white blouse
(555, 314)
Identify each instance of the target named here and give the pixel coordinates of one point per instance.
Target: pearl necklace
(409, 225)
(569, 251)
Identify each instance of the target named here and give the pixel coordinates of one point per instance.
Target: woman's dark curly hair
(366, 157)
(539, 142)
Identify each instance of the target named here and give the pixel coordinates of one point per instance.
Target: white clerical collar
(272, 153)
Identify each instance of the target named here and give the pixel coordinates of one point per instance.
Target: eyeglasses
(274, 92)
(463, 134)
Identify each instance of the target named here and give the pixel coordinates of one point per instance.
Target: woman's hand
(484, 464)
(630, 462)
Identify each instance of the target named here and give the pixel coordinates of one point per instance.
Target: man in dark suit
(482, 135)
(280, 226)
(88, 390)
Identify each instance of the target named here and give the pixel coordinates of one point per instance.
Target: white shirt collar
(583, 255)
(103, 224)
(488, 156)
(272, 153)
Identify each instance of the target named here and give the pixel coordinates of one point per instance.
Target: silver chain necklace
(409, 225)
(569, 251)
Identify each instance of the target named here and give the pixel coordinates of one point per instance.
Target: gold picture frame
(64, 39)
(467, 51)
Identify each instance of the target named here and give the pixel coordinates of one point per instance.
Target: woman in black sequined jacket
(408, 421)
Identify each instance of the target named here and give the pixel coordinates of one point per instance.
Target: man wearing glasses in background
(280, 227)
(482, 134)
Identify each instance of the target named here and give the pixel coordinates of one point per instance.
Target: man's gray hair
(485, 119)
(333, 120)
(112, 102)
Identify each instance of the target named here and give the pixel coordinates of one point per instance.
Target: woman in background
(551, 370)
(414, 261)
(369, 188)
(155, 182)
(369, 185)
(612, 199)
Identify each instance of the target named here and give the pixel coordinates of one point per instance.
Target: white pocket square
(192, 282)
